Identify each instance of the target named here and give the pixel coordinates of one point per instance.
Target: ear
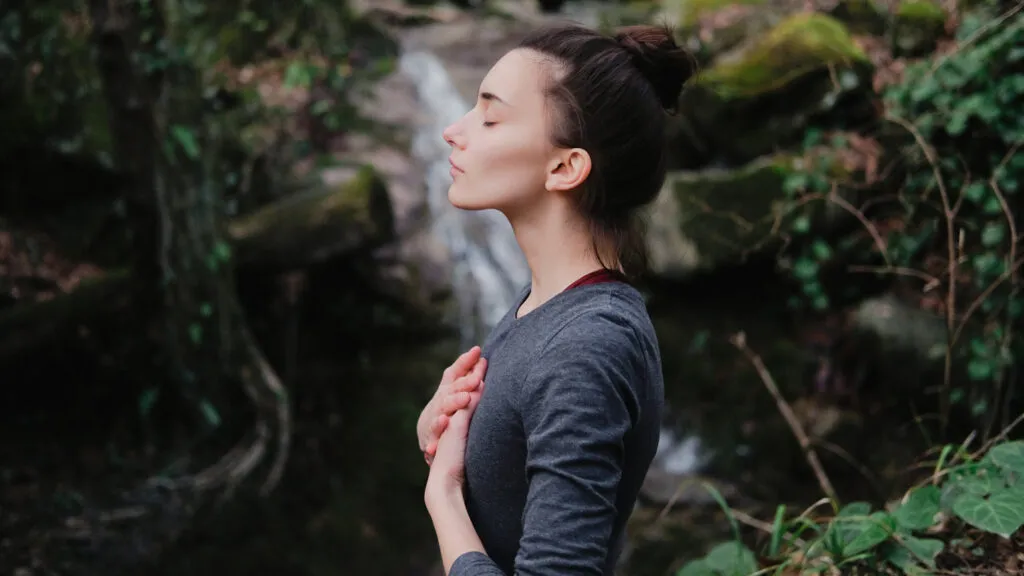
(569, 169)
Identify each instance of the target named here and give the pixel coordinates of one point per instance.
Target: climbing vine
(945, 223)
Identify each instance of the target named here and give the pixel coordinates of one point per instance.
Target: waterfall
(489, 269)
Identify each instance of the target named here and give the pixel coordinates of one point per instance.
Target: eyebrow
(493, 97)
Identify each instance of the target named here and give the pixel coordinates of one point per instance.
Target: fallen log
(347, 213)
(350, 213)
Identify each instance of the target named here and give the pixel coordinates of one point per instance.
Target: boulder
(714, 216)
(917, 27)
(760, 96)
(861, 16)
(348, 211)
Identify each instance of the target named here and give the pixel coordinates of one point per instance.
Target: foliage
(986, 493)
(950, 231)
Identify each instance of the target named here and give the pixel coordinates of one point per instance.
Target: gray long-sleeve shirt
(563, 435)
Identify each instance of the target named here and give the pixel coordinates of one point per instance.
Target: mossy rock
(687, 13)
(799, 45)
(862, 16)
(348, 211)
(715, 216)
(917, 27)
(760, 97)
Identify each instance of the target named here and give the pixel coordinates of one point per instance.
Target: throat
(600, 276)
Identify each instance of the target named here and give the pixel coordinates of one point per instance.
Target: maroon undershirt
(598, 277)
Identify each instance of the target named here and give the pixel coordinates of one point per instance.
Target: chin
(463, 201)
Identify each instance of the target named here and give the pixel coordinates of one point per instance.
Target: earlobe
(572, 168)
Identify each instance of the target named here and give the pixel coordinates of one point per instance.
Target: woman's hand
(448, 470)
(458, 383)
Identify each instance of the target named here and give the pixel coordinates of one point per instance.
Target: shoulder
(610, 325)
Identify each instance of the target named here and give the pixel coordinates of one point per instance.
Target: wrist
(443, 494)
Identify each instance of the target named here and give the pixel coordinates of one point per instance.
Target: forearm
(455, 533)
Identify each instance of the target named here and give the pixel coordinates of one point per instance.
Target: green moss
(690, 11)
(923, 11)
(798, 45)
(917, 28)
(727, 212)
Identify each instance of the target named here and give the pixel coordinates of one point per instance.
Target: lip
(455, 167)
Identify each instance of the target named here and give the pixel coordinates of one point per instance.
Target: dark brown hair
(610, 98)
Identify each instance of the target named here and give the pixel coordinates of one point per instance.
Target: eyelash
(489, 124)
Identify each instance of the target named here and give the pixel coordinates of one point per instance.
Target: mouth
(455, 167)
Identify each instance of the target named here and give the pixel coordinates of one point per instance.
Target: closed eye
(489, 124)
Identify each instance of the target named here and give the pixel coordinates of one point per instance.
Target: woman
(566, 140)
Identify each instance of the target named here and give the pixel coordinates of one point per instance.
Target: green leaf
(1008, 456)
(821, 250)
(205, 310)
(147, 399)
(195, 333)
(222, 251)
(801, 224)
(864, 534)
(925, 549)
(731, 559)
(918, 512)
(695, 568)
(1002, 512)
(976, 191)
(992, 234)
(805, 268)
(210, 413)
(979, 369)
(186, 139)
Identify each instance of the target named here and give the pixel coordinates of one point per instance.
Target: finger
(431, 449)
(465, 362)
(474, 400)
(438, 426)
(453, 402)
(471, 381)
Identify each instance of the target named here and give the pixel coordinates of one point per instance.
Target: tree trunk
(182, 268)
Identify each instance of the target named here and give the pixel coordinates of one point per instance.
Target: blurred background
(230, 280)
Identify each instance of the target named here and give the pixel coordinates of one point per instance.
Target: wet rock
(917, 27)
(861, 16)
(350, 210)
(760, 96)
(705, 218)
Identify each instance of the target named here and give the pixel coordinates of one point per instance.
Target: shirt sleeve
(577, 406)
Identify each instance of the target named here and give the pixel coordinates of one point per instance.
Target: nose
(453, 135)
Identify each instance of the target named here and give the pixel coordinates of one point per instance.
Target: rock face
(761, 96)
(703, 218)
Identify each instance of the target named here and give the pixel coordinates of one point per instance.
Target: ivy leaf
(147, 399)
(731, 559)
(976, 191)
(918, 512)
(696, 568)
(979, 369)
(821, 249)
(186, 139)
(210, 413)
(992, 234)
(925, 549)
(805, 269)
(867, 533)
(1001, 513)
(1008, 456)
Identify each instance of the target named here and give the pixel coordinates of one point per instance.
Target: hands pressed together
(443, 425)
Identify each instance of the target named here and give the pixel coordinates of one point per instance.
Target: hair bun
(664, 63)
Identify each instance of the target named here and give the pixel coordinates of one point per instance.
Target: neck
(558, 249)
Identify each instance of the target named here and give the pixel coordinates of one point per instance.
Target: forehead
(519, 78)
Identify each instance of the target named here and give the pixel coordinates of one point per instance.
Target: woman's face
(502, 156)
